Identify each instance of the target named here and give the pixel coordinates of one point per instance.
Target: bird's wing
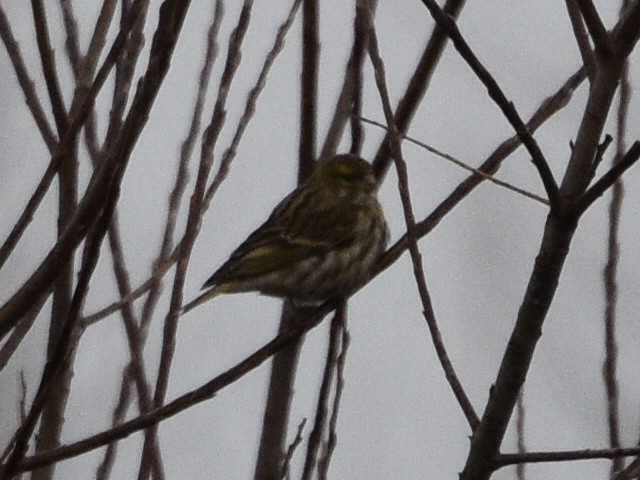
(277, 243)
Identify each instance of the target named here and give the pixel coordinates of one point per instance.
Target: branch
(322, 406)
(461, 164)
(608, 179)
(20, 302)
(205, 392)
(412, 235)
(582, 38)
(418, 85)
(506, 459)
(496, 94)
(26, 83)
(597, 30)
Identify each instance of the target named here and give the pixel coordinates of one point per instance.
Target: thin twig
(412, 236)
(48, 63)
(250, 104)
(608, 179)
(520, 424)
(26, 83)
(322, 405)
(507, 107)
(205, 392)
(325, 460)
(286, 463)
(597, 30)
(461, 164)
(505, 459)
(418, 85)
(582, 38)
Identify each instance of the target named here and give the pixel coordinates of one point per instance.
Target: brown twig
(412, 235)
(610, 281)
(322, 406)
(48, 63)
(520, 425)
(505, 459)
(193, 222)
(597, 30)
(507, 107)
(205, 392)
(582, 37)
(250, 104)
(325, 460)
(286, 463)
(26, 83)
(418, 85)
(608, 179)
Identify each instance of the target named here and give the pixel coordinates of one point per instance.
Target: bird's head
(346, 174)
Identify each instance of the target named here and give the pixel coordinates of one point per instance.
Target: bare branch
(597, 30)
(461, 164)
(505, 459)
(418, 85)
(322, 406)
(412, 235)
(48, 63)
(496, 94)
(608, 179)
(582, 38)
(26, 83)
(310, 320)
(323, 463)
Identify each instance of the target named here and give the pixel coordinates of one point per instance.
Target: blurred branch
(325, 460)
(311, 319)
(119, 414)
(505, 459)
(48, 63)
(250, 104)
(286, 463)
(322, 406)
(418, 85)
(461, 164)
(597, 30)
(412, 234)
(520, 426)
(346, 103)
(610, 281)
(210, 139)
(38, 283)
(507, 107)
(26, 84)
(309, 88)
(582, 38)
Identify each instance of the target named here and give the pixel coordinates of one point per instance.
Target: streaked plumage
(319, 242)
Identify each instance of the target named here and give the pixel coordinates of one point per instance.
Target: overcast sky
(398, 417)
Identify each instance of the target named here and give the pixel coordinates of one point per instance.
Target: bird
(320, 242)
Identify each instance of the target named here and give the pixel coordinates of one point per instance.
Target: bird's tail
(208, 295)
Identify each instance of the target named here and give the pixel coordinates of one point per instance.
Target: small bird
(319, 242)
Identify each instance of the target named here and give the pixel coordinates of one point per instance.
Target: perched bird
(320, 242)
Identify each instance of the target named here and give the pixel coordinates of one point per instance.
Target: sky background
(398, 417)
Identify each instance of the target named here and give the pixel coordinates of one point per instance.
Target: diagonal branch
(507, 107)
(412, 236)
(597, 30)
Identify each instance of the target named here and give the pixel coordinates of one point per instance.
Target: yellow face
(348, 172)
